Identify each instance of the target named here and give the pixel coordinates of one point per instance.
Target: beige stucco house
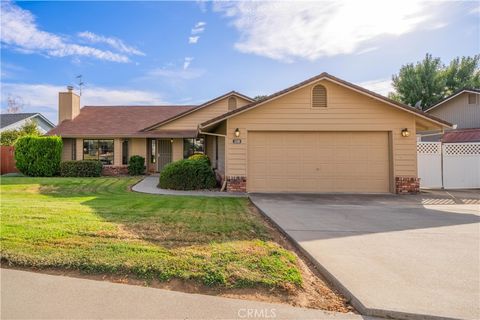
(321, 135)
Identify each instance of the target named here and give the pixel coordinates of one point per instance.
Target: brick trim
(407, 185)
(236, 184)
(109, 170)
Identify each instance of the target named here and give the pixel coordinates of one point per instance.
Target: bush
(199, 157)
(81, 168)
(187, 175)
(136, 165)
(29, 128)
(38, 156)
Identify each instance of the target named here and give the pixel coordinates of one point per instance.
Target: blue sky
(190, 52)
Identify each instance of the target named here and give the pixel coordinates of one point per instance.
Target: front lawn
(95, 225)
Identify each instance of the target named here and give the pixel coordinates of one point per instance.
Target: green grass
(96, 225)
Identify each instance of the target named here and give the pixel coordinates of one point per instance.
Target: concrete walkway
(27, 295)
(407, 257)
(149, 185)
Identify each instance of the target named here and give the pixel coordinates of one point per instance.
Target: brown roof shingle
(461, 135)
(120, 121)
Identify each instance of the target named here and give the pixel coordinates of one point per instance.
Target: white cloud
(187, 62)
(196, 30)
(20, 32)
(111, 41)
(44, 97)
(309, 30)
(193, 40)
(380, 86)
(173, 74)
(199, 27)
(475, 10)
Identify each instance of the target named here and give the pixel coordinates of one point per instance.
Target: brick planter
(237, 184)
(407, 185)
(114, 170)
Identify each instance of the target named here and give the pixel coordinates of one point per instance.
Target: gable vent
(472, 98)
(232, 103)
(319, 97)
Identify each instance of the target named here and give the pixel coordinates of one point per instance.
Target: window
(232, 103)
(101, 150)
(319, 96)
(74, 149)
(125, 152)
(192, 146)
(153, 156)
(472, 98)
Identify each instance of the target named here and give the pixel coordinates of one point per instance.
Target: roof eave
(326, 76)
(206, 104)
(452, 96)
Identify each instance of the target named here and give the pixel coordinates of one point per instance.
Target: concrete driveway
(394, 256)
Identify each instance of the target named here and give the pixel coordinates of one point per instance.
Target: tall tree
(419, 84)
(462, 73)
(14, 104)
(428, 81)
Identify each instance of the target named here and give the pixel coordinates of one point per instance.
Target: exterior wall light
(405, 133)
(237, 132)
(171, 140)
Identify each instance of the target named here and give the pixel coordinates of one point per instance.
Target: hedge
(187, 175)
(81, 168)
(136, 165)
(200, 157)
(38, 156)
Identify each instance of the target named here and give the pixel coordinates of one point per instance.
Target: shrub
(81, 168)
(29, 128)
(199, 157)
(38, 156)
(187, 175)
(136, 165)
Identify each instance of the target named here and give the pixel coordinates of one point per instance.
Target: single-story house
(321, 135)
(13, 121)
(461, 108)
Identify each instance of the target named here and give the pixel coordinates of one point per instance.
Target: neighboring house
(13, 121)
(321, 135)
(461, 109)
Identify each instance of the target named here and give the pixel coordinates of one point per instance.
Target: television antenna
(80, 83)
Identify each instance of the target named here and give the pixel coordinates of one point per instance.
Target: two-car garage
(318, 161)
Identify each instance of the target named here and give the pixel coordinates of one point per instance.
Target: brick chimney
(68, 105)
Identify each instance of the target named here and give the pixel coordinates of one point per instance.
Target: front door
(164, 153)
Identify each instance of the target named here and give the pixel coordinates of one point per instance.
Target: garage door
(318, 162)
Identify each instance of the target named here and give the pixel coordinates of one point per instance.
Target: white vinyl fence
(449, 165)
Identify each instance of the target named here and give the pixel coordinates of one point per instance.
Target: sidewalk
(149, 185)
(31, 295)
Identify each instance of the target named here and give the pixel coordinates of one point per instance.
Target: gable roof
(336, 80)
(203, 105)
(119, 121)
(453, 95)
(7, 119)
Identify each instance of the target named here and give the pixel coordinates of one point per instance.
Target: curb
(354, 301)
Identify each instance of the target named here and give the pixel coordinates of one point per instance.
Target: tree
(9, 137)
(260, 97)
(462, 73)
(428, 81)
(14, 104)
(421, 84)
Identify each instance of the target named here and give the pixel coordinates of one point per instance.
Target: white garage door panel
(318, 162)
